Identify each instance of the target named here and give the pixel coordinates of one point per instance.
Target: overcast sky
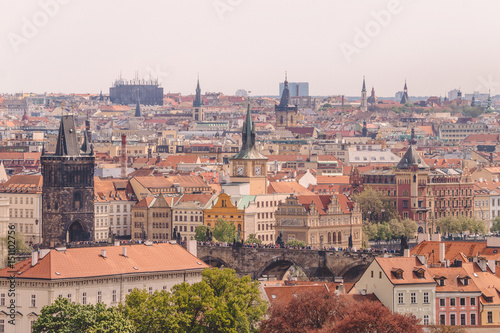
(83, 46)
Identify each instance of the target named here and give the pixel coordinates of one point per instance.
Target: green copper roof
(248, 150)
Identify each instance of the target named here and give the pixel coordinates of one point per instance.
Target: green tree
(376, 206)
(410, 228)
(295, 243)
(370, 230)
(65, 317)
(384, 231)
(221, 302)
(496, 225)
(200, 233)
(224, 231)
(252, 239)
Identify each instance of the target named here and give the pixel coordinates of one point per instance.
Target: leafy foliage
(327, 312)
(496, 225)
(393, 229)
(295, 243)
(376, 206)
(224, 231)
(450, 224)
(221, 302)
(252, 239)
(200, 233)
(65, 317)
(447, 329)
(21, 246)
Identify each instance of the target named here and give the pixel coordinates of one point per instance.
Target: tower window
(77, 198)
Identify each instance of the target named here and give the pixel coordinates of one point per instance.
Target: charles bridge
(319, 265)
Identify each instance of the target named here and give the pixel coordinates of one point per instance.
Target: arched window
(340, 237)
(77, 198)
(281, 119)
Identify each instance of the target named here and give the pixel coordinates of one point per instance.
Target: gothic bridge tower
(68, 188)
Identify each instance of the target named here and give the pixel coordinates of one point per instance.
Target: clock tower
(249, 166)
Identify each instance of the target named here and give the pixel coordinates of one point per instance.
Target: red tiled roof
(88, 262)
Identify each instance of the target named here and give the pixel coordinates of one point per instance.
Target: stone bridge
(317, 265)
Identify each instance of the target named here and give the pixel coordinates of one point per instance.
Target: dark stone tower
(286, 114)
(198, 112)
(68, 188)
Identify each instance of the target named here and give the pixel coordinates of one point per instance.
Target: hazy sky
(82, 46)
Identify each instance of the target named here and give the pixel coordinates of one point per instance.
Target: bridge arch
(215, 262)
(278, 266)
(352, 272)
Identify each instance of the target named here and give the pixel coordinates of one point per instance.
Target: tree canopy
(376, 206)
(458, 225)
(65, 317)
(200, 233)
(496, 225)
(327, 312)
(393, 229)
(252, 239)
(224, 231)
(221, 302)
(296, 243)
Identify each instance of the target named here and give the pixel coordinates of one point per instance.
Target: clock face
(257, 170)
(240, 170)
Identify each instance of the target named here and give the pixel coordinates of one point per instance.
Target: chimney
(123, 158)
(407, 253)
(103, 253)
(192, 247)
(442, 248)
(491, 265)
(34, 258)
(124, 252)
(482, 264)
(342, 289)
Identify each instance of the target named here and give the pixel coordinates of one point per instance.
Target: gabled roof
(407, 265)
(87, 262)
(411, 158)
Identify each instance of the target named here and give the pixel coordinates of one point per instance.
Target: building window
(452, 319)
(462, 301)
(473, 319)
(2, 299)
(379, 275)
(69, 298)
(33, 301)
(2, 325)
(490, 317)
(372, 274)
(442, 319)
(113, 298)
(452, 301)
(462, 319)
(84, 298)
(151, 290)
(442, 302)
(401, 299)
(473, 301)
(413, 298)
(426, 298)
(426, 319)
(99, 297)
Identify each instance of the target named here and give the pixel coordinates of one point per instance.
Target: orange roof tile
(88, 262)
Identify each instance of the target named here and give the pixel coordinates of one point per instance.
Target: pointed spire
(405, 88)
(67, 143)
(405, 98)
(137, 109)
(285, 95)
(197, 100)
(364, 85)
(248, 149)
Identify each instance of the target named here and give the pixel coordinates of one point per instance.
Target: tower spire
(197, 100)
(364, 85)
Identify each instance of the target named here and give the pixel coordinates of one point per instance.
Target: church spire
(285, 95)
(364, 85)
(248, 149)
(405, 98)
(138, 105)
(67, 142)
(197, 100)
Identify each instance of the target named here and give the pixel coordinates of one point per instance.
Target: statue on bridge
(279, 241)
(404, 243)
(208, 236)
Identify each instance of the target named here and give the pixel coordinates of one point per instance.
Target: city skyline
(65, 46)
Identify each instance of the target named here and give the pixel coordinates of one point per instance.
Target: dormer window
(420, 273)
(441, 282)
(398, 273)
